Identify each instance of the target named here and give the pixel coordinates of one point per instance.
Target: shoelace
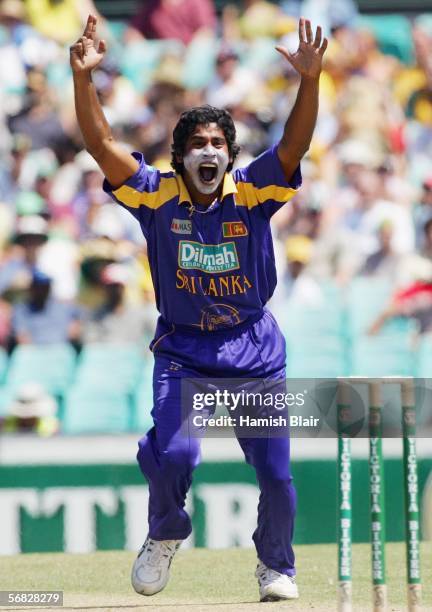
(266, 575)
(163, 550)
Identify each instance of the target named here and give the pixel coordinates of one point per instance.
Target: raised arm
(307, 61)
(115, 162)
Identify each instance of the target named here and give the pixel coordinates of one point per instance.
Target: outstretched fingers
(84, 42)
(318, 36)
(78, 49)
(101, 46)
(285, 53)
(323, 47)
(309, 33)
(302, 33)
(90, 28)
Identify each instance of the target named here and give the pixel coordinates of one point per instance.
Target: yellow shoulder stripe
(168, 189)
(250, 196)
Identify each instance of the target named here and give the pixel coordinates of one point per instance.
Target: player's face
(206, 157)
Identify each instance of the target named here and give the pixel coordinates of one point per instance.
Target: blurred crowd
(73, 265)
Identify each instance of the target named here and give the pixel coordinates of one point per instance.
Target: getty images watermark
(246, 408)
(294, 407)
(257, 402)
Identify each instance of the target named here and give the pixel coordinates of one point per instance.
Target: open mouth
(207, 172)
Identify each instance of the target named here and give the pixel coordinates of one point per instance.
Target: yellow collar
(228, 188)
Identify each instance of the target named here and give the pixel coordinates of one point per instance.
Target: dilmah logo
(181, 226)
(209, 258)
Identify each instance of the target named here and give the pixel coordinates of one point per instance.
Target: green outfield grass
(204, 580)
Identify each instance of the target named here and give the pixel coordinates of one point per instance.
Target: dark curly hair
(202, 115)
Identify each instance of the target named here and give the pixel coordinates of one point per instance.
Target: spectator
(371, 211)
(419, 104)
(23, 257)
(423, 212)
(116, 321)
(427, 243)
(37, 119)
(414, 302)
(61, 20)
(383, 262)
(5, 323)
(11, 172)
(232, 83)
(260, 19)
(41, 319)
(33, 410)
(298, 285)
(57, 255)
(175, 19)
(368, 165)
(302, 288)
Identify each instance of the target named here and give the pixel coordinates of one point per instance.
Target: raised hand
(85, 54)
(307, 60)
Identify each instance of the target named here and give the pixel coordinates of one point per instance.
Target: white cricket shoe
(150, 571)
(274, 586)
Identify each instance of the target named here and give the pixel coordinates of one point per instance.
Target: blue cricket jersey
(211, 268)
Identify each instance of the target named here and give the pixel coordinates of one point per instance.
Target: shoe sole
(147, 594)
(142, 591)
(267, 598)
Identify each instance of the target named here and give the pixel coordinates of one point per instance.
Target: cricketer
(211, 257)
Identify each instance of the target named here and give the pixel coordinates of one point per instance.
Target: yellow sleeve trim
(250, 196)
(168, 189)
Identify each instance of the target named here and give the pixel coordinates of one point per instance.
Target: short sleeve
(262, 184)
(140, 194)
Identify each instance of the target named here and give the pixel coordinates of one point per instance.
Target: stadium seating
(365, 300)
(52, 366)
(424, 358)
(319, 357)
(109, 388)
(3, 365)
(393, 34)
(116, 367)
(6, 398)
(139, 60)
(383, 355)
(198, 63)
(302, 322)
(96, 410)
(315, 340)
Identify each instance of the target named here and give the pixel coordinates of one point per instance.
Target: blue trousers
(167, 457)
